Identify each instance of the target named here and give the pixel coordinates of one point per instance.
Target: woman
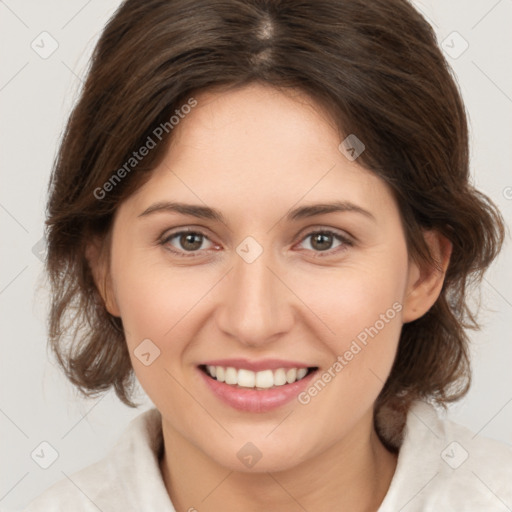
(262, 211)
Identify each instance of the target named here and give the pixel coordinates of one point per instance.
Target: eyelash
(346, 242)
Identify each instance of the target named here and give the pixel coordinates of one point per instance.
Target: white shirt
(442, 466)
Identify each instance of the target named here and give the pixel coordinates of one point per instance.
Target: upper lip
(256, 366)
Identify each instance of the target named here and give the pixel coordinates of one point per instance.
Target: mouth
(259, 390)
(243, 378)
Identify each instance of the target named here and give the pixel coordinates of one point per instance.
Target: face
(257, 285)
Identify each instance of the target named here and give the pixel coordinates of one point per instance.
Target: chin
(258, 456)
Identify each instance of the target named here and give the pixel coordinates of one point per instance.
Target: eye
(188, 243)
(182, 242)
(323, 241)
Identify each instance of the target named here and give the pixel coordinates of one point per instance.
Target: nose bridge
(255, 307)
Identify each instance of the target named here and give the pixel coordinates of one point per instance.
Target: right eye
(185, 241)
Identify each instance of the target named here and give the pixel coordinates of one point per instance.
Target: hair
(374, 66)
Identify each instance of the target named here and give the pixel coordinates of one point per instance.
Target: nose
(256, 307)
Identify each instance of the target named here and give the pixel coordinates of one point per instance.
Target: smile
(264, 379)
(265, 387)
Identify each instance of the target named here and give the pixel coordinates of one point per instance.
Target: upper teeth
(264, 379)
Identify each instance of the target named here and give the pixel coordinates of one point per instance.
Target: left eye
(321, 241)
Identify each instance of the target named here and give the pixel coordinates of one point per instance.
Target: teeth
(291, 375)
(279, 377)
(231, 375)
(262, 380)
(246, 378)
(301, 373)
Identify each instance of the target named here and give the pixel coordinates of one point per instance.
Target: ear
(97, 257)
(424, 282)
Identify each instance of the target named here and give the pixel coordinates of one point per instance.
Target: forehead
(257, 146)
(255, 116)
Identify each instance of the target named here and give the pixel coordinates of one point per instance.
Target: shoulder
(80, 491)
(443, 465)
(119, 481)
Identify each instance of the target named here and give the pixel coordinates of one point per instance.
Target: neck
(354, 474)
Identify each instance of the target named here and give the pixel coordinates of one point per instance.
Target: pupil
(187, 241)
(323, 239)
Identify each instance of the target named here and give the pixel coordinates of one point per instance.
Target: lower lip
(253, 400)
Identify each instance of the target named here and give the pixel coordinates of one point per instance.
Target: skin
(254, 154)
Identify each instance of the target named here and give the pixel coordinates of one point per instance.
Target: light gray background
(36, 402)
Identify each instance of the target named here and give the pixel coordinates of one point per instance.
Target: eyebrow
(205, 212)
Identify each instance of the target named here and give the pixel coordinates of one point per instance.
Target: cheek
(360, 311)
(352, 299)
(154, 298)
(158, 303)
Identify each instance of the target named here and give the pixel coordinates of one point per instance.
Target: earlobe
(98, 263)
(425, 282)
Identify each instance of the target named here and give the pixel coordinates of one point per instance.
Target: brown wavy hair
(378, 71)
